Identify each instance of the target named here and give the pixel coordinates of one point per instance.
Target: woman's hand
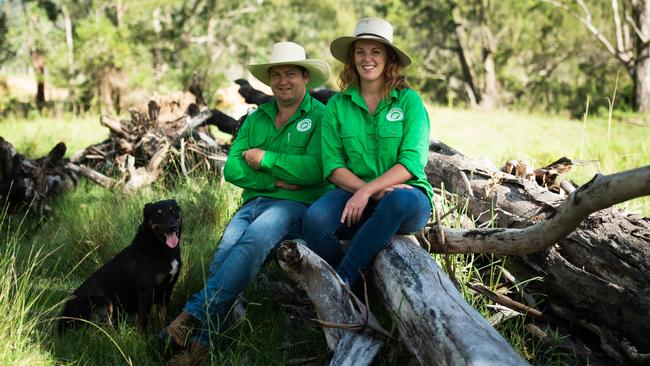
(379, 195)
(354, 207)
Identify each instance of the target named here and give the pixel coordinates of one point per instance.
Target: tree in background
(486, 54)
(630, 20)
(480, 53)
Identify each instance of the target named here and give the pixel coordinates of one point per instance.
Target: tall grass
(19, 299)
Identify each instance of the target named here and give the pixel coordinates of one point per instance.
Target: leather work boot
(178, 332)
(196, 355)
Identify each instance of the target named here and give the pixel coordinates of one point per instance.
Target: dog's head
(163, 218)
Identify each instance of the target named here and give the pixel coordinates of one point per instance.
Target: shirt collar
(271, 108)
(354, 93)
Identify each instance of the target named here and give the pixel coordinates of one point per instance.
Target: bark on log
(29, 183)
(598, 275)
(96, 177)
(334, 304)
(435, 323)
(599, 193)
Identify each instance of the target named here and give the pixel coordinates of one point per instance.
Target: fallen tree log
(599, 193)
(597, 276)
(348, 324)
(30, 182)
(435, 323)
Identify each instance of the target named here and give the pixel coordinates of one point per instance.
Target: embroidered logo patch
(395, 114)
(304, 125)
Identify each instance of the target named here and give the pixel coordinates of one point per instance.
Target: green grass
(44, 259)
(36, 137)
(542, 139)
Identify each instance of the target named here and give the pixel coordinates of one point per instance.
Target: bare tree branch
(601, 192)
(617, 24)
(623, 55)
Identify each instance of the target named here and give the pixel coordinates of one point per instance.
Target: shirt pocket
(297, 142)
(351, 141)
(390, 139)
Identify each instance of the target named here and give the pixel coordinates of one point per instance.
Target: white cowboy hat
(290, 53)
(368, 28)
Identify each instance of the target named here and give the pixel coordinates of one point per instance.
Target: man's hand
(254, 157)
(285, 185)
(379, 195)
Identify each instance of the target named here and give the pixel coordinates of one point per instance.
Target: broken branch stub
(334, 304)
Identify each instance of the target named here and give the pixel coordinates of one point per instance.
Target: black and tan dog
(142, 274)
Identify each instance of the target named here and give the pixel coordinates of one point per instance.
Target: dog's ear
(174, 204)
(146, 211)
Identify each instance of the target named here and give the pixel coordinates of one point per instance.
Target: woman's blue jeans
(401, 211)
(252, 234)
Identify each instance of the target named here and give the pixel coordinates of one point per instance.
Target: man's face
(288, 84)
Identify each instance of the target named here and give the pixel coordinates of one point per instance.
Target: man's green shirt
(293, 153)
(370, 144)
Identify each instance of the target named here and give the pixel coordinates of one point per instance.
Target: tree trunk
(473, 93)
(335, 305)
(597, 276)
(491, 92)
(642, 66)
(105, 91)
(38, 62)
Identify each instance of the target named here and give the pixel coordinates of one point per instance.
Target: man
(276, 159)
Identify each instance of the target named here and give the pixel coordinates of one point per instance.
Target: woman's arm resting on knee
(376, 188)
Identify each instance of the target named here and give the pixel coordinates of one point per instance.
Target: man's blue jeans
(401, 211)
(252, 234)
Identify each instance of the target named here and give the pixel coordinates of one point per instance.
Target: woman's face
(369, 59)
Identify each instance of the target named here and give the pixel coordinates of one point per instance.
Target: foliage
(120, 51)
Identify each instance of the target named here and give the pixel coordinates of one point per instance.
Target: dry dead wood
(96, 177)
(547, 176)
(599, 193)
(435, 323)
(167, 129)
(30, 182)
(595, 276)
(350, 329)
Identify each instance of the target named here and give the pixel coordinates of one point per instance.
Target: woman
(375, 141)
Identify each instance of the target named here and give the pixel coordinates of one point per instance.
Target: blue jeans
(401, 211)
(252, 234)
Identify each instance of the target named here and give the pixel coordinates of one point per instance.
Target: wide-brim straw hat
(290, 53)
(368, 28)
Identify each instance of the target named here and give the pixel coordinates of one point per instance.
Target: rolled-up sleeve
(332, 147)
(237, 171)
(413, 152)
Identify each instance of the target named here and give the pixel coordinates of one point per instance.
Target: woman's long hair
(392, 74)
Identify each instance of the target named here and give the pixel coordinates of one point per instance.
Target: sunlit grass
(542, 139)
(36, 137)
